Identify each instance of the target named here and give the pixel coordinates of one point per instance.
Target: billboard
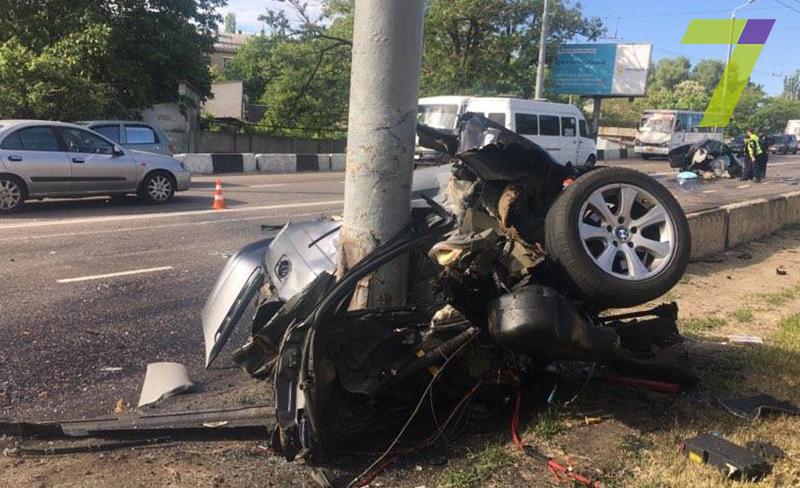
(612, 70)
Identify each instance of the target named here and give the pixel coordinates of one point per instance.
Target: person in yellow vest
(756, 156)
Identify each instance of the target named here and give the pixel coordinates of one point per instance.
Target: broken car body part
(236, 421)
(734, 461)
(516, 271)
(163, 380)
(753, 407)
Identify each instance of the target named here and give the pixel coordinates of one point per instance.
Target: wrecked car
(708, 158)
(514, 261)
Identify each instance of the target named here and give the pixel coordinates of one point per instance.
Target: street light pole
(384, 94)
(730, 51)
(542, 51)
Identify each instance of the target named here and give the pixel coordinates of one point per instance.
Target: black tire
(646, 157)
(13, 193)
(157, 188)
(574, 261)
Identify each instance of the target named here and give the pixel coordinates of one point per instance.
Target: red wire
(515, 422)
(425, 443)
(557, 470)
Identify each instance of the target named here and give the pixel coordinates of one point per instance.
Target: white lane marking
(123, 218)
(155, 227)
(115, 275)
(271, 185)
(742, 187)
(664, 174)
(710, 191)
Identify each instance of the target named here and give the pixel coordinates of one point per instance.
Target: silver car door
(95, 166)
(142, 137)
(36, 155)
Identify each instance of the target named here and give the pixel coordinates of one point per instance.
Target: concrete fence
(264, 163)
(231, 142)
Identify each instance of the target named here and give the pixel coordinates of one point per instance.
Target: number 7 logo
(749, 37)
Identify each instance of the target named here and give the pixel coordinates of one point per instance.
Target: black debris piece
(751, 408)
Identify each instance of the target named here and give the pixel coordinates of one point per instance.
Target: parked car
(52, 159)
(737, 145)
(783, 144)
(134, 135)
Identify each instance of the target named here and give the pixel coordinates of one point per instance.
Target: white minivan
(558, 127)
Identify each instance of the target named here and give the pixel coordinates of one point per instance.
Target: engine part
(536, 320)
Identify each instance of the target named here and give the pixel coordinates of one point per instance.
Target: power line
(790, 7)
(696, 12)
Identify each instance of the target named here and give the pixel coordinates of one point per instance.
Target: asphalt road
(89, 285)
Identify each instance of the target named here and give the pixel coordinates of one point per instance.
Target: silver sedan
(52, 159)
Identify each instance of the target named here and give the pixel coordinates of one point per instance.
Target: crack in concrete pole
(384, 92)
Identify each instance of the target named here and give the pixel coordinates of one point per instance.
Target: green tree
(771, 117)
(230, 23)
(72, 59)
(686, 95)
(753, 97)
(491, 47)
(487, 47)
(669, 72)
(708, 73)
(791, 86)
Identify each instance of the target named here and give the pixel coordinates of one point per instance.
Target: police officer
(756, 156)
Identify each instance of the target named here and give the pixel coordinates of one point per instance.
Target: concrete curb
(717, 230)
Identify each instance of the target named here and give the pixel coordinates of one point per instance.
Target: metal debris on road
(164, 380)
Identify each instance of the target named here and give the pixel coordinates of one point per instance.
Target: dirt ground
(753, 290)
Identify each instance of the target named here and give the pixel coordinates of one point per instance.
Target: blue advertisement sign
(601, 69)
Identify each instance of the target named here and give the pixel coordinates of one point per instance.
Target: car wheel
(618, 238)
(645, 156)
(157, 188)
(12, 194)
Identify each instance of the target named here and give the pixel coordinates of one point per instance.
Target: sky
(660, 23)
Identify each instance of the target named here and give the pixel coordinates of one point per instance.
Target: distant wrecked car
(708, 159)
(512, 264)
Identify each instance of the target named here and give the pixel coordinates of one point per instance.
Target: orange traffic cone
(219, 199)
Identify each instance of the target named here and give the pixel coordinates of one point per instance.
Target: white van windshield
(438, 116)
(662, 123)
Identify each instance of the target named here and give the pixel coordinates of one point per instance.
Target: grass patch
(481, 466)
(789, 332)
(780, 298)
(701, 324)
(743, 315)
(548, 424)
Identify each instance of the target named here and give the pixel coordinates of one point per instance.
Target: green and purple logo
(748, 36)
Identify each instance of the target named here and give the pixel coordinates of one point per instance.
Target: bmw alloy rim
(627, 232)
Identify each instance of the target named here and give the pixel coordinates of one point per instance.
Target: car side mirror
(118, 151)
